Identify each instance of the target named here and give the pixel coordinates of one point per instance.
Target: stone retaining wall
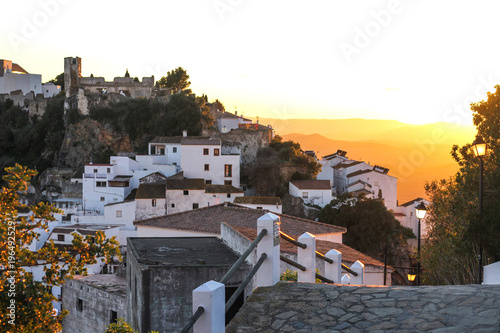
(303, 307)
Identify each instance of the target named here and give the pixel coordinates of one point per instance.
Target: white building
(272, 204)
(203, 158)
(227, 121)
(50, 90)
(314, 192)
(406, 215)
(13, 77)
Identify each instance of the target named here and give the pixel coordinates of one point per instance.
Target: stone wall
(303, 307)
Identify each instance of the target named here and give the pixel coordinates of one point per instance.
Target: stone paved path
(304, 308)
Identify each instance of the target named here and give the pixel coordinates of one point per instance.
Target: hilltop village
(182, 204)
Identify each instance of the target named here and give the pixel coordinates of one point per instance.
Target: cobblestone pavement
(304, 307)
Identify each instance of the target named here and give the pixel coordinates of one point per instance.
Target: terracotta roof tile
(150, 191)
(185, 184)
(201, 141)
(208, 220)
(349, 255)
(210, 188)
(258, 200)
(312, 184)
(167, 139)
(359, 172)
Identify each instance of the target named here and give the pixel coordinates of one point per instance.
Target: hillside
(413, 153)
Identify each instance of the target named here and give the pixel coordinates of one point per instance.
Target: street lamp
(479, 147)
(420, 212)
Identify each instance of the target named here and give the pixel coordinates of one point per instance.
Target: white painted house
(272, 204)
(314, 192)
(406, 215)
(13, 77)
(227, 121)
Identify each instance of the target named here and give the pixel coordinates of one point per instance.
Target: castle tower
(72, 74)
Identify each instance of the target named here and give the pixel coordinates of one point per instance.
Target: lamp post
(420, 212)
(479, 147)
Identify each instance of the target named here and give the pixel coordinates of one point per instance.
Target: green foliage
(127, 73)
(290, 152)
(456, 228)
(58, 81)
(370, 227)
(121, 326)
(176, 79)
(289, 275)
(32, 299)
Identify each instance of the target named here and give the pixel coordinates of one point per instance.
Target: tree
(121, 326)
(58, 80)
(370, 227)
(450, 256)
(176, 79)
(127, 73)
(23, 301)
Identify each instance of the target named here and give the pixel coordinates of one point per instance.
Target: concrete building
(407, 216)
(314, 192)
(163, 272)
(50, 90)
(13, 77)
(227, 121)
(93, 302)
(272, 204)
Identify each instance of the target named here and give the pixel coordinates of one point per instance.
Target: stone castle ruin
(83, 92)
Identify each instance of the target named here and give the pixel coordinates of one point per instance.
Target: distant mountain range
(413, 153)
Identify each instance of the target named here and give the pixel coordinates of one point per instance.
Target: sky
(414, 61)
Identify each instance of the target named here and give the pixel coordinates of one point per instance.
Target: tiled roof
(84, 229)
(410, 203)
(347, 164)
(349, 255)
(208, 220)
(150, 191)
(18, 69)
(399, 214)
(186, 184)
(205, 141)
(158, 173)
(167, 139)
(131, 196)
(312, 184)
(359, 181)
(359, 172)
(209, 188)
(258, 200)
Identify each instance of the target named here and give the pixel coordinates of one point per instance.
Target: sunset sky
(413, 61)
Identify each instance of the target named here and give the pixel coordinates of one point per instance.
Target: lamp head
(479, 147)
(421, 210)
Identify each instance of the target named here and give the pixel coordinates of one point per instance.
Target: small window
(205, 151)
(259, 207)
(207, 167)
(229, 195)
(186, 192)
(113, 317)
(216, 152)
(95, 170)
(208, 181)
(100, 184)
(102, 199)
(228, 182)
(118, 213)
(60, 238)
(305, 195)
(196, 206)
(153, 203)
(173, 205)
(228, 170)
(109, 170)
(174, 150)
(79, 304)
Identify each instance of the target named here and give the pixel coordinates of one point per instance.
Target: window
(207, 167)
(102, 199)
(216, 152)
(259, 207)
(153, 202)
(186, 192)
(60, 238)
(118, 213)
(173, 205)
(229, 195)
(174, 150)
(162, 151)
(208, 181)
(100, 184)
(228, 182)
(109, 170)
(205, 151)
(113, 316)
(196, 206)
(305, 195)
(95, 170)
(79, 304)
(228, 170)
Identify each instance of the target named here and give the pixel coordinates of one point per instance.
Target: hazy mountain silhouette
(413, 153)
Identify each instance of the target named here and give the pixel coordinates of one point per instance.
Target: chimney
(235, 112)
(257, 119)
(184, 133)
